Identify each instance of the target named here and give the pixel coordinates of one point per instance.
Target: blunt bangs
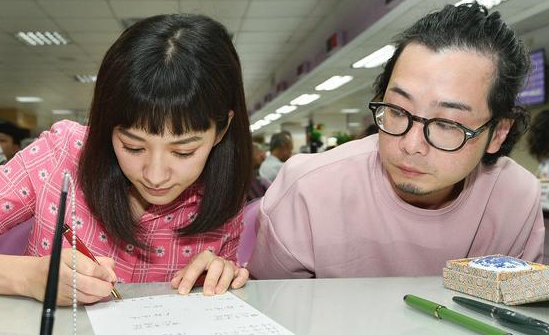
(166, 102)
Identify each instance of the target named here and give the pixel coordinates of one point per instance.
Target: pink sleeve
(283, 247)
(232, 230)
(533, 247)
(23, 176)
(17, 193)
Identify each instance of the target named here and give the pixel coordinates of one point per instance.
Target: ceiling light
(354, 124)
(376, 58)
(333, 83)
(350, 110)
(286, 109)
(304, 99)
(262, 122)
(85, 78)
(62, 111)
(486, 3)
(29, 99)
(273, 116)
(41, 38)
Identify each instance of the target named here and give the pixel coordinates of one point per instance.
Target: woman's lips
(157, 191)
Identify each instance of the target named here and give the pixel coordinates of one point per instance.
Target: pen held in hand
(80, 246)
(441, 312)
(506, 317)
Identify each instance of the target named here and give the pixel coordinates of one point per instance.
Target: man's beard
(411, 189)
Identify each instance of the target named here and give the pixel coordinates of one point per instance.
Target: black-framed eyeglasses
(443, 134)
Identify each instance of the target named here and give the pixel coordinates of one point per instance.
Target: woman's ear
(499, 135)
(222, 133)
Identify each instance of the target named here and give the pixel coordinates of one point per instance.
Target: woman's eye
(132, 150)
(183, 154)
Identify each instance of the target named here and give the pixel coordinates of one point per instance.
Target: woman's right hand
(93, 281)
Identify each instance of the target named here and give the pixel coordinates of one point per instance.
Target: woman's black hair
(168, 73)
(468, 27)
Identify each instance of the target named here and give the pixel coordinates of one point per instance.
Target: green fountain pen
(444, 313)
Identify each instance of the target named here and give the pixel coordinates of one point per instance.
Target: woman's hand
(93, 281)
(220, 274)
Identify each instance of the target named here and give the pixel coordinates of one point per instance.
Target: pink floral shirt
(30, 185)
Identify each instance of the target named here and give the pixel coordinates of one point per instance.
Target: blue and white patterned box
(498, 278)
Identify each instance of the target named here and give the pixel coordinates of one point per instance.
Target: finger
(84, 283)
(110, 265)
(227, 276)
(65, 299)
(241, 277)
(86, 266)
(190, 273)
(215, 271)
(176, 280)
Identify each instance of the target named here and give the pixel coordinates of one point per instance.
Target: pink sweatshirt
(335, 214)
(30, 185)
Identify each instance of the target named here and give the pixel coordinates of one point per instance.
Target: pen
(50, 296)
(442, 312)
(80, 246)
(506, 317)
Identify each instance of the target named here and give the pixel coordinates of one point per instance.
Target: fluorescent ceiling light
(254, 128)
(286, 109)
(29, 99)
(62, 111)
(262, 122)
(486, 3)
(273, 116)
(41, 38)
(350, 110)
(304, 99)
(376, 58)
(354, 124)
(333, 83)
(85, 78)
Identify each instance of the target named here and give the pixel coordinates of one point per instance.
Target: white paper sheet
(174, 314)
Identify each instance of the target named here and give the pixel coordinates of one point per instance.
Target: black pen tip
(404, 298)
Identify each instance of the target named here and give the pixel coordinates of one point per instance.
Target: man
(10, 138)
(259, 184)
(433, 185)
(281, 147)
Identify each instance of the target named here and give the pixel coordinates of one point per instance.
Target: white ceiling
(271, 37)
(265, 33)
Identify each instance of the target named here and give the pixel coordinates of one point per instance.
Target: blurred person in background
(10, 138)
(259, 184)
(281, 147)
(538, 142)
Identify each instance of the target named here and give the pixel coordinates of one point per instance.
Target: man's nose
(414, 141)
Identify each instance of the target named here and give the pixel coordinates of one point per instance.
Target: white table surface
(305, 307)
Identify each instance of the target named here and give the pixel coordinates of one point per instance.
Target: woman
(161, 171)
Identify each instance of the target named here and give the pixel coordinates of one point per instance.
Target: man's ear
(222, 133)
(499, 135)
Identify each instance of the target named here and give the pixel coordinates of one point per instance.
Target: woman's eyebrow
(187, 140)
